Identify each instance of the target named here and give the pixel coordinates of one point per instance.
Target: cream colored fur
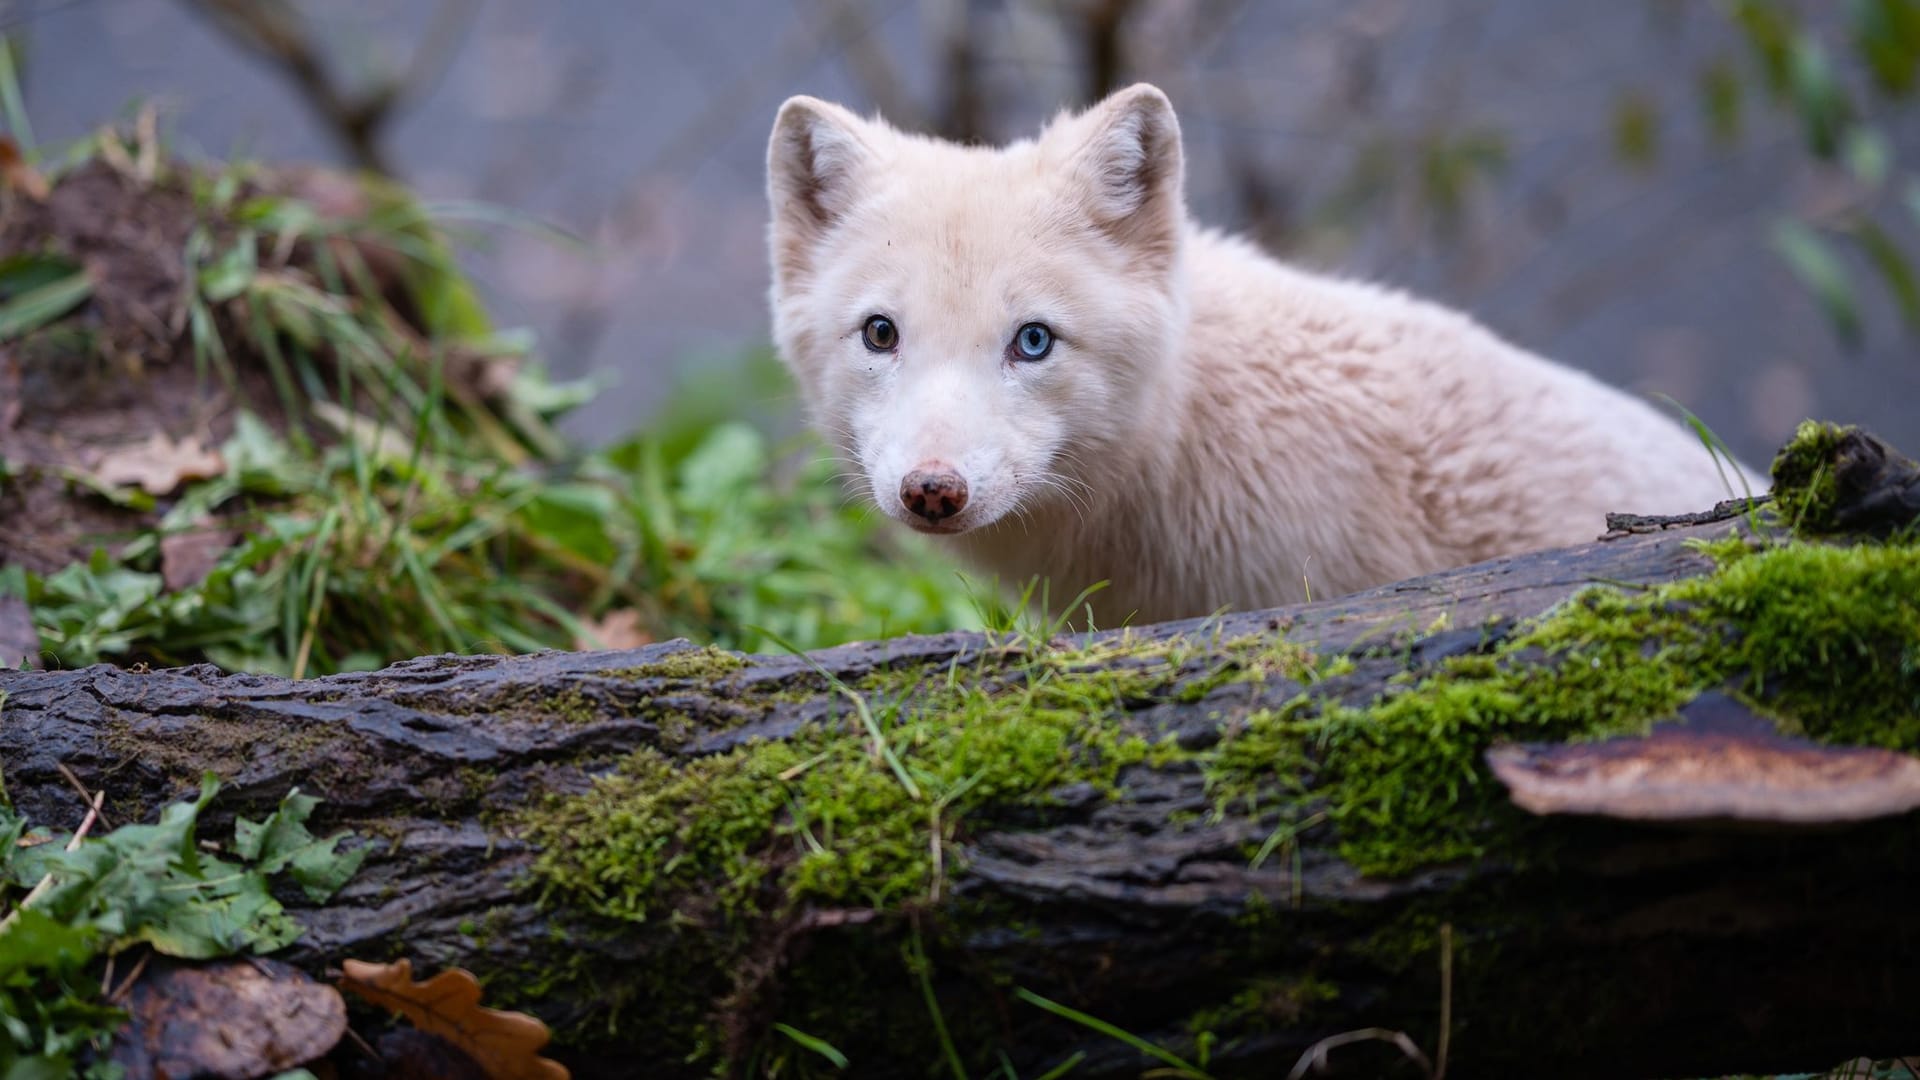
(1213, 429)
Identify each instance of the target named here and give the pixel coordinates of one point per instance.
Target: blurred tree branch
(1104, 45)
(278, 33)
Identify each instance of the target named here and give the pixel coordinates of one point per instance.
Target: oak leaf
(618, 629)
(160, 464)
(506, 1044)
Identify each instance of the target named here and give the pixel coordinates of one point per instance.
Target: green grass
(389, 509)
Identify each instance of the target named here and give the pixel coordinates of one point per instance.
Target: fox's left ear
(816, 161)
(1129, 168)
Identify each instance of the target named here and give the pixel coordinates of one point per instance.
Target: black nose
(935, 496)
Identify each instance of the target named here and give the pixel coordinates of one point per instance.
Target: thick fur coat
(1207, 427)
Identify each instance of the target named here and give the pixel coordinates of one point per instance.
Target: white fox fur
(1212, 429)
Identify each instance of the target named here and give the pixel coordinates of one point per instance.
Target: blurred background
(1704, 199)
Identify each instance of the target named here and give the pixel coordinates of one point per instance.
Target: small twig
(1316, 1056)
(277, 32)
(1446, 1002)
(46, 882)
(88, 796)
(939, 855)
(126, 985)
(867, 59)
(1724, 510)
(365, 1047)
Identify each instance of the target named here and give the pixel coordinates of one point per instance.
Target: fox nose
(934, 494)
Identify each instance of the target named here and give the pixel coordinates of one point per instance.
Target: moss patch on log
(859, 810)
(1826, 639)
(1806, 490)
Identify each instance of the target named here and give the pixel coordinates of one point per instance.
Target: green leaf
(40, 1067)
(814, 1043)
(1868, 155)
(1894, 269)
(37, 940)
(1824, 108)
(1770, 34)
(233, 272)
(38, 306)
(282, 842)
(574, 517)
(1887, 34)
(731, 458)
(534, 390)
(131, 498)
(1814, 263)
(1720, 99)
(26, 272)
(12, 826)
(1636, 130)
(260, 461)
(229, 914)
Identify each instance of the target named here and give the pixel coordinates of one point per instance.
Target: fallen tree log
(1439, 810)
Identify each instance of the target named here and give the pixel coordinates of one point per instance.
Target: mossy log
(1218, 836)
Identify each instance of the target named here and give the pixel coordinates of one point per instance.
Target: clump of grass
(399, 488)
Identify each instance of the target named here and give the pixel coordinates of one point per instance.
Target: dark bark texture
(1641, 951)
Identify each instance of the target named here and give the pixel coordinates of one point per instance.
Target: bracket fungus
(1718, 763)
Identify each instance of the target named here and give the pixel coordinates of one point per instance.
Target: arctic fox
(1033, 353)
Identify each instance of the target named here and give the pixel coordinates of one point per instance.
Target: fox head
(984, 333)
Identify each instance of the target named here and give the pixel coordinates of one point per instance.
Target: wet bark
(1641, 952)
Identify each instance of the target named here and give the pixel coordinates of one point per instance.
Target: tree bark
(1639, 951)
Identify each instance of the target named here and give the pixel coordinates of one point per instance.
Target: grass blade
(1158, 1053)
(39, 306)
(10, 97)
(814, 1043)
(920, 968)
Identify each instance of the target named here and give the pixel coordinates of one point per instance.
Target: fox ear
(815, 164)
(1129, 169)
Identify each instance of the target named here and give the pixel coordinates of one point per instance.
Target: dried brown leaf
(160, 464)
(228, 1020)
(17, 174)
(408, 1053)
(506, 1044)
(186, 558)
(619, 629)
(19, 639)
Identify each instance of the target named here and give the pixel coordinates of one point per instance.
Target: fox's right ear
(815, 164)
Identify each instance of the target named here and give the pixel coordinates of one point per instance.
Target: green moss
(1264, 1004)
(732, 847)
(1828, 638)
(832, 814)
(226, 747)
(1804, 488)
(703, 663)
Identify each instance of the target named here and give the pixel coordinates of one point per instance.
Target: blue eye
(1032, 342)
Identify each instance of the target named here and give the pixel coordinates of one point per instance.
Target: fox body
(1033, 353)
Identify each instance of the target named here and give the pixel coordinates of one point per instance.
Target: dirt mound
(191, 292)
